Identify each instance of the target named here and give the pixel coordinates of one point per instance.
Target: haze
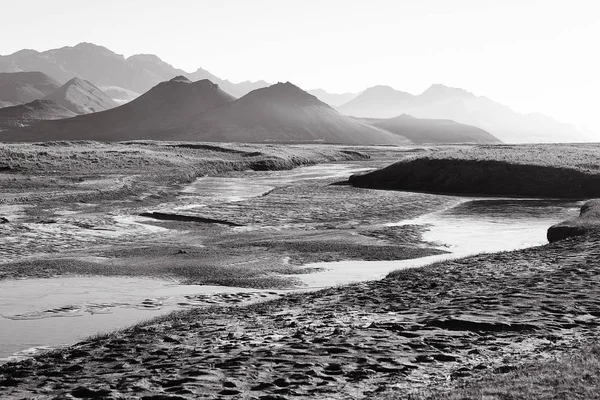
(536, 56)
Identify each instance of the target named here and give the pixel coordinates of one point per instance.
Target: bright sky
(534, 55)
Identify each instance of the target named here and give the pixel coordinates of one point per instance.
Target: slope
(24, 87)
(26, 114)
(81, 97)
(154, 115)
(433, 131)
(283, 113)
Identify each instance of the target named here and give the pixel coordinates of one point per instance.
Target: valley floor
(411, 333)
(420, 332)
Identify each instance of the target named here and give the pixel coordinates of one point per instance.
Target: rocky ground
(433, 326)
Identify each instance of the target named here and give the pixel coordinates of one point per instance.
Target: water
(210, 190)
(35, 313)
(473, 226)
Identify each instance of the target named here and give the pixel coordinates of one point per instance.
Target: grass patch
(576, 375)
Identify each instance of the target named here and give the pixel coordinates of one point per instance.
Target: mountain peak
(440, 90)
(77, 82)
(285, 92)
(180, 79)
(81, 97)
(381, 89)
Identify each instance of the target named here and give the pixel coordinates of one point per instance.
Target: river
(40, 313)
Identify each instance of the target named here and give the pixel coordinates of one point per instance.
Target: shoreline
(422, 329)
(341, 326)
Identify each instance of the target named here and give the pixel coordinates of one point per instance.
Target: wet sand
(421, 327)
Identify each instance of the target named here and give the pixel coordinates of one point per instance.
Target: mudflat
(91, 209)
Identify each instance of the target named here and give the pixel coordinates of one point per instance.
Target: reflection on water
(471, 227)
(493, 225)
(51, 312)
(210, 190)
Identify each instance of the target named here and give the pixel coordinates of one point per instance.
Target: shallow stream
(39, 313)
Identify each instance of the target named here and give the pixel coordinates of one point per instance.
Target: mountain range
(179, 109)
(44, 100)
(104, 68)
(442, 102)
(123, 79)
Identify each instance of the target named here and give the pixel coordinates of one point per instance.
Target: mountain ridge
(444, 102)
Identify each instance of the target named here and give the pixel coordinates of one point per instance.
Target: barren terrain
(87, 209)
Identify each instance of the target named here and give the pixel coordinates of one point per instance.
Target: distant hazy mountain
(283, 113)
(333, 99)
(23, 115)
(442, 102)
(120, 95)
(81, 97)
(24, 87)
(433, 131)
(103, 67)
(157, 114)
(377, 102)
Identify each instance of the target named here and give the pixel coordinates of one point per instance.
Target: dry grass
(574, 376)
(581, 157)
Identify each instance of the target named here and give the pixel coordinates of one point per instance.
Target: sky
(533, 55)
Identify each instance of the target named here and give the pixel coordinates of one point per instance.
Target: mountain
(433, 131)
(377, 102)
(26, 114)
(333, 99)
(442, 102)
(283, 113)
(156, 114)
(102, 67)
(24, 87)
(81, 97)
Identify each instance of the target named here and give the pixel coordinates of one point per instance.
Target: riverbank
(550, 171)
(416, 329)
(416, 332)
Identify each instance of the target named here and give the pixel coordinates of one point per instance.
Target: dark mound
(24, 87)
(482, 177)
(81, 97)
(26, 114)
(587, 221)
(284, 113)
(435, 131)
(154, 115)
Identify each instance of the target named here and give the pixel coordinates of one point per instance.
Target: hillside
(434, 131)
(81, 97)
(27, 114)
(442, 102)
(283, 113)
(154, 115)
(24, 87)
